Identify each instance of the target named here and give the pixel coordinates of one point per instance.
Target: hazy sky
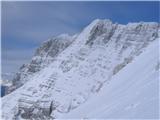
(25, 25)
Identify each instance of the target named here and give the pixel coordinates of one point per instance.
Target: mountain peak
(99, 22)
(100, 31)
(63, 64)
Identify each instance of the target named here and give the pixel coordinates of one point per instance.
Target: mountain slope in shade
(131, 93)
(83, 68)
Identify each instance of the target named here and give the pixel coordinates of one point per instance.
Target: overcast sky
(25, 25)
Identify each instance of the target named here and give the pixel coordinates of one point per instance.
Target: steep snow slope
(131, 93)
(78, 72)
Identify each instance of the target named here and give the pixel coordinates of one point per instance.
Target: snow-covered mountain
(132, 93)
(74, 70)
(44, 55)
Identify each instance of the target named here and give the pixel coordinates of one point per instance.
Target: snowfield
(108, 70)
(132, 93)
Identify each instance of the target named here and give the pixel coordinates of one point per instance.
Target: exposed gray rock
(45, 54)
(103, 27)
(28, 109)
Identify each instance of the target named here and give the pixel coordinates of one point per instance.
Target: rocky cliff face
(69, 70)
(44, 55)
